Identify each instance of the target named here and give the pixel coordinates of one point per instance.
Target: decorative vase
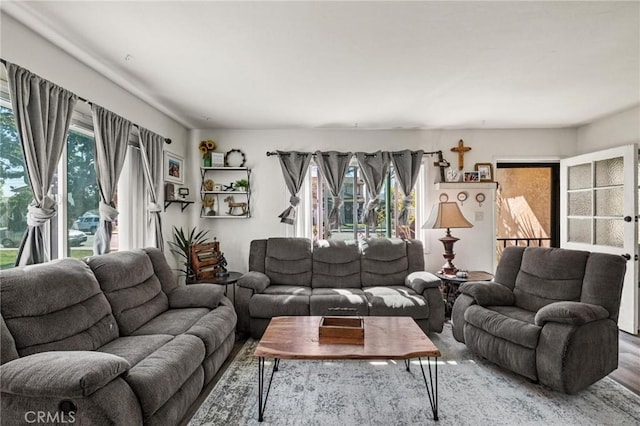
(206, 159)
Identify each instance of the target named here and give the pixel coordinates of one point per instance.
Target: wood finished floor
(627, 374)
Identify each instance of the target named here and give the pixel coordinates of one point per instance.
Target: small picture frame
(183, 192)
(217, 187)
(173, 168)
(485, 171)
(471, 177)
(217, 159)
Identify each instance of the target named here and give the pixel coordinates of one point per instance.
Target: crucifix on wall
(461, 150)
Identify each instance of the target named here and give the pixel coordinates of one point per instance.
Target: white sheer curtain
(132, 203)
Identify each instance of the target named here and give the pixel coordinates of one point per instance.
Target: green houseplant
(241, 184)
(181, 247)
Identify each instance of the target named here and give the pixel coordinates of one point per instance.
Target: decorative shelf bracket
(183, 204)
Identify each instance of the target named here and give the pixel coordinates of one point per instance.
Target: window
(15, 194)
(355, 197)
(82, 195)
(74, 186)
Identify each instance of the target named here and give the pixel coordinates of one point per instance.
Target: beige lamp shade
(446, 215)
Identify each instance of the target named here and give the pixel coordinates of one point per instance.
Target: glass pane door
(599, 208)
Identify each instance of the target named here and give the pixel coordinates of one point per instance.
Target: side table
(450, 287)
(230, 279)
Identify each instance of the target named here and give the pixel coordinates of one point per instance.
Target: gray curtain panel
(294, 167)
(111, 134)
(333, 166)
(43, 114)
(407, 164)
(374, 168)
(151, 146)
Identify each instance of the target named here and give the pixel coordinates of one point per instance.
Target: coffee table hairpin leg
(432, 392)
(263, 403)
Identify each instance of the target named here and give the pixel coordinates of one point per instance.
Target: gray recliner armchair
(550, 315)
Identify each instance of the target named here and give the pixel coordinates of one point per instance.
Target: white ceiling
(358, 64)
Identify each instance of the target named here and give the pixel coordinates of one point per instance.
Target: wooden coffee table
(384, 338)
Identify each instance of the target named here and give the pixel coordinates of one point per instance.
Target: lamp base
(448, 241)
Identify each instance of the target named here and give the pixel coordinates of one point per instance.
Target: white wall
(474, 251)
(27, 49)
(614, 130)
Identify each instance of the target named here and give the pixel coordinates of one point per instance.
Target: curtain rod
(270, 153)
(166, 140)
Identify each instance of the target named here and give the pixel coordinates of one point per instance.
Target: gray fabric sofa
(378, 276)
(550, 315)
(109, 340)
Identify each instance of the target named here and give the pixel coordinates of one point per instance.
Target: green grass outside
(8, 257)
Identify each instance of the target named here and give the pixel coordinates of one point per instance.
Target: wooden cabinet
(220, 194)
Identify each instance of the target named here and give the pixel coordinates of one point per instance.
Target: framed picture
(173, 168)
(485, 171)
(471, 177)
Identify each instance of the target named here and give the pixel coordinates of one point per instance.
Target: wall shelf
(218, 216)
(218, 196)
(465, 185)
(183, 203)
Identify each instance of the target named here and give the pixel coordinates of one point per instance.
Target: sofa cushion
(549, 275)
(293, 290)
(135, 348)
(8, 349)
(383, 262)
(129, 282)
(215, 327)
(157, 377)
(322, 299)
(336, 264)
(276, 305)
(288, 261)
(396, 301)
(515, 330)
(173, 321)
(73, 374)
(55, 306)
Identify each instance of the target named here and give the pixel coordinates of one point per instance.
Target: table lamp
(447, 216)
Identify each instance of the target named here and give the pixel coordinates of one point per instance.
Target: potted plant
(242, 185)
(181, 247)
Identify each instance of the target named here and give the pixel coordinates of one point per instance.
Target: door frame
(555, 190)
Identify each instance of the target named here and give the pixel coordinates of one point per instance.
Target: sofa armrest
(71, 374)
(488, 293)
(420, 281)
(256, 281)
(196, 296)
(572, 313)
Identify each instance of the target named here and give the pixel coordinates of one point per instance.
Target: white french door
(599, 212)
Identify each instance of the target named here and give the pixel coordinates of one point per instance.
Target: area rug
(471, 392)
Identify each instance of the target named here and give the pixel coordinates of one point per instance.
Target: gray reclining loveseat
(550, 315)
(378, 276)
(113, 340)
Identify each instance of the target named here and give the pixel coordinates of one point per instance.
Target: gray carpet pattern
(472, 391)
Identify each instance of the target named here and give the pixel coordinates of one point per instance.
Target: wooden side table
(230, 279)
(450, 287)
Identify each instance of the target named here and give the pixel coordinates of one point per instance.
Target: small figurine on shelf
(228, 187)
(222, 266)
(208, 204)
